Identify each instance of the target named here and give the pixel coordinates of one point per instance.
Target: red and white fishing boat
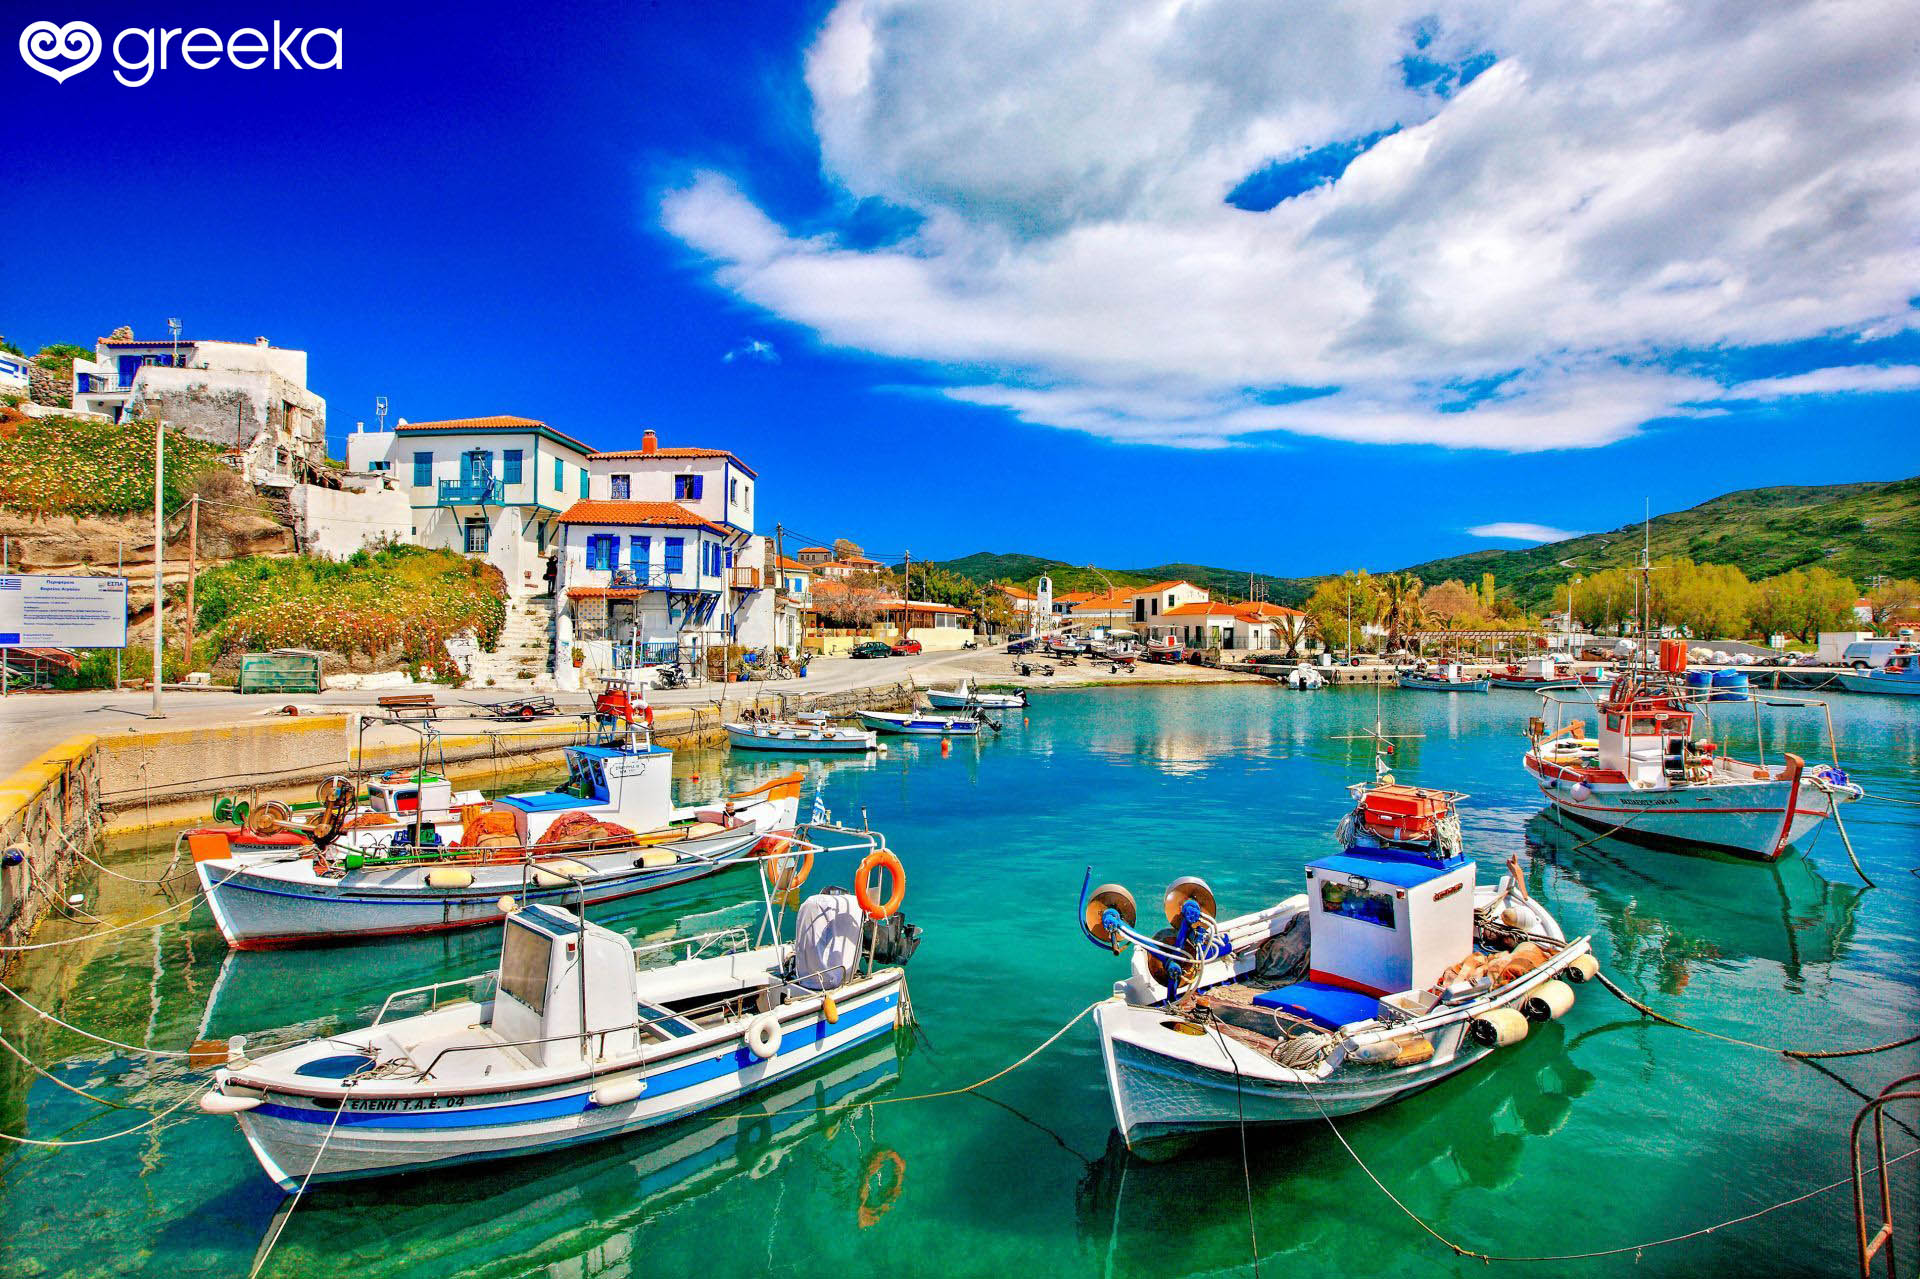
(1647, 775)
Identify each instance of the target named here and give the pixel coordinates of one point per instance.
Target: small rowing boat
(1391, 972)
(913, 724)
(965, 697)
(571, 1040)
(1445, 678)
(802, 737)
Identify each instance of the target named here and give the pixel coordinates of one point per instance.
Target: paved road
(32, 722)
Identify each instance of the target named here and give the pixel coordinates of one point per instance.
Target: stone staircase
(523, 660)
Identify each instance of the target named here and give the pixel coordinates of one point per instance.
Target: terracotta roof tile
(655, 514)
(676, 454)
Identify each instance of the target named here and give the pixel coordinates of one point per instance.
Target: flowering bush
(400, 600)
(73, 466)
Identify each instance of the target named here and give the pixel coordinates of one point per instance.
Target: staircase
(524, 658)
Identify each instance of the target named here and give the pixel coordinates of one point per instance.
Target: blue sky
(1244, 288)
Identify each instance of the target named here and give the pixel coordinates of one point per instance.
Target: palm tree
(1399, 606)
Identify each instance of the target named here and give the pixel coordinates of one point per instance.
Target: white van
(1864, 655)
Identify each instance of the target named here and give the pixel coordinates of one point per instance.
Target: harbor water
(1598, 1132)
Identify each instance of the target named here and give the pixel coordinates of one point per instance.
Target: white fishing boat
(1448, 677)
(611, 831)
(920, 724)
(570, 1040)
(1648, 776)
(1394, 970)
(965, 697)
(801, 737)
(1304, 679)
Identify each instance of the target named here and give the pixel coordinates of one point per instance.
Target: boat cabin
(404, 792)
(630, 784)
(1383, 922)
(555, 970)
(1648, 740)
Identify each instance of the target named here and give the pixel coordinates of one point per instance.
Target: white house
(251, 397)
(490, 486)
(1233, 627)
(660, 553)
(14, 377)
(793, 597)
(1148, 602)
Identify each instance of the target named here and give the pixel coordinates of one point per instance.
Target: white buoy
(618, 1092)
(1498, 1027)
(77, 900)
(763, 1035)
(1549, 1002)
(1581, 970)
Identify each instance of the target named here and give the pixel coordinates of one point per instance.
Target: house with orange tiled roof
(1254, 627)
(1148, 602)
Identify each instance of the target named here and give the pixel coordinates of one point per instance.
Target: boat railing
(720, 940)
(1904, 1089)
(472, 984)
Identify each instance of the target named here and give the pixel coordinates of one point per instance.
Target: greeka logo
(140, 52)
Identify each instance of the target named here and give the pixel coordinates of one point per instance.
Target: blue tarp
(1388, 870)
(1324, 1005)
(543, 801)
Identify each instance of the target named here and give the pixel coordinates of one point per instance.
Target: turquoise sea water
(1598, 1131)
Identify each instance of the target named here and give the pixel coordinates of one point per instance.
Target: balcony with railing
(742, 578)
(472, 492)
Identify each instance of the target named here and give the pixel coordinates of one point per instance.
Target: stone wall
(49, 810)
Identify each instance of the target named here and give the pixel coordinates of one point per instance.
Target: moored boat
(1445, 678)
(1534, 674)
(570, 1041)
(964, 696)
(1900, 677)
(1648, 777)
(914, 724)
(1394, 970)
(800, 736)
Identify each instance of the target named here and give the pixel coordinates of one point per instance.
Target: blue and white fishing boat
(1445, 678)
(803, 737)
(1900, 677)
(965, 697)
(920, 724)
(570, 1040)
(1392, 971)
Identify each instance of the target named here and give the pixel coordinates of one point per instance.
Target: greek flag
(820, 815)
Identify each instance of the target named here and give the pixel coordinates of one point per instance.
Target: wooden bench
(409, 705)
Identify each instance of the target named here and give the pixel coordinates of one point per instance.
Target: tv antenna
(380, 410)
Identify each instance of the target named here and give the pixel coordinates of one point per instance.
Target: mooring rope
(1833, 810)
(87, 1034)
(1591, 1255)
(54, 1079)
(280, 1224)
(1246, 1171)
(1803, 1053)
(112, 1136)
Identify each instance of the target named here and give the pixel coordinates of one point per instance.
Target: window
(475, 540)
(583, 483)
(559, 478)
(524, 961)
(746, 499)
(686, 488)
(1357, 901)
(511, 466)
(620, 487)
(638, 554)
(733, 491)
(422, 470)
(676, 548)
(603, 551)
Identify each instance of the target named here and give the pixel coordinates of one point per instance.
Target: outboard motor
(891, 940)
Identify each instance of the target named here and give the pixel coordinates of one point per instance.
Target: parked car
(1872, 654)
(906, 648)
(872, 648)
(1025, 644)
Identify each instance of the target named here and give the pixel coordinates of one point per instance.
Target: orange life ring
(880, 859)
(871, 1210)
(646, 712)
(785, 870)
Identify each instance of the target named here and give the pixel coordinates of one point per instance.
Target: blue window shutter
(583, 481)
(559, 478)
(422, 469)
(698, 484)
(613, 550)
(676, 549)
(637, 553)
(510, 467)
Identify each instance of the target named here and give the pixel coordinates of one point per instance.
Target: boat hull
(269, 906)
(294, 1136)
(1417, 684)
(919, 725)
(1754, 820)
(839, 742)
(945, 701)
(1880, 684)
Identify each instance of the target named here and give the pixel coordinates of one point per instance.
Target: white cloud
(1844, 379)
(759, 350)
(1626, 180)
(1520, 531)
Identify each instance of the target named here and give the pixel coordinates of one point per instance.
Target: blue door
(129, 366)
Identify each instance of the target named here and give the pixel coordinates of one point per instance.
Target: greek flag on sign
(820, 815)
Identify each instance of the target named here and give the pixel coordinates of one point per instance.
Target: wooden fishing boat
(1648, 777)
(1900, 677)
(913, 724)
(1446, 678)
(570, 1040)
(1391, 972)
(1534, 674)
(800, 737)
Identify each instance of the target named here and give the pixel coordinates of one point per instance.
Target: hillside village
(528, 557)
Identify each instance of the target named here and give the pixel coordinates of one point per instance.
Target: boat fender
(1581, 970)
(220, 1103)
(1581, 791)
(763, 1036)
(1498, 1027)
(880, 859)
(1549, 1001)
(618, 1092)
(450, 877)
(830, 1010)
(1394, 1049)
(507, 904)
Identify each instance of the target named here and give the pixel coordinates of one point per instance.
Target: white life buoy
(763, 1036)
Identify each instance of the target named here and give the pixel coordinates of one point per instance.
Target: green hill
(1856, 530)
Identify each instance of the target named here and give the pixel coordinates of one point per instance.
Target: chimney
(649, 442)
(260, 342)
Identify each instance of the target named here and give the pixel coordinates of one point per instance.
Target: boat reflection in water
(581, 1213)
(1675, 910)
(1468, 1133)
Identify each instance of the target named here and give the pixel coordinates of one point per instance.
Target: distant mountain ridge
(1856, 530)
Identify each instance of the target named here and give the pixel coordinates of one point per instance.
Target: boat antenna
(1383, 741)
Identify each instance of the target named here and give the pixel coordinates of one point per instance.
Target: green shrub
(74, 466)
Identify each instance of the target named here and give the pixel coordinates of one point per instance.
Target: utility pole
(159, 557)
(780, 583)
(193, 568)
